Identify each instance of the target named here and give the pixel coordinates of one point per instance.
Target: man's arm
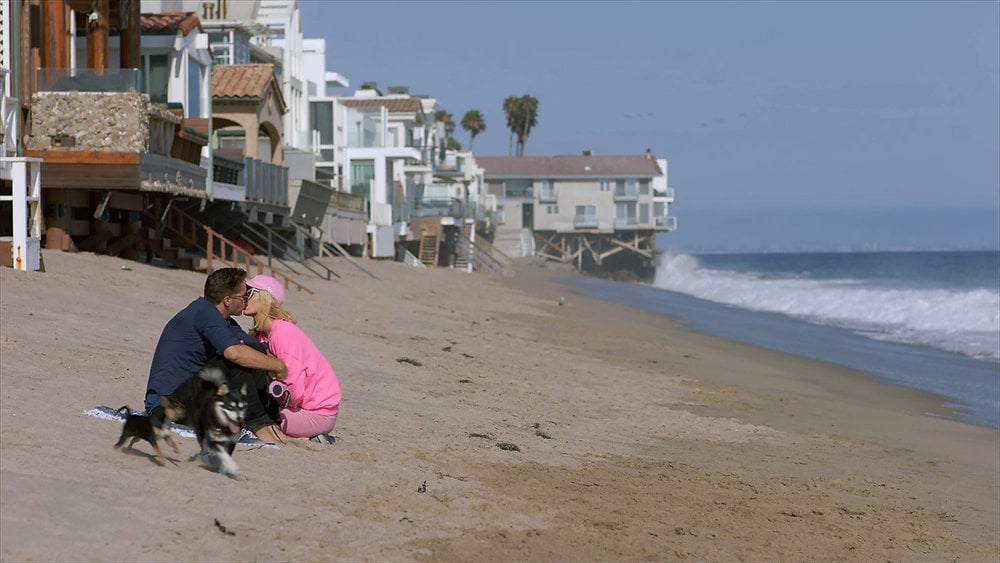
(249, 358)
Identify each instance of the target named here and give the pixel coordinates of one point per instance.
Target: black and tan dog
(217, 417)
(151, 428)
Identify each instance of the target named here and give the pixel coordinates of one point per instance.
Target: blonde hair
(269, 308)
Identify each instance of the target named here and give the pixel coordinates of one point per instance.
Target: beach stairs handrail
(242, 258)
(218, 247)
(334, 248)
(264, 243)
(482, 253)
(411, 260)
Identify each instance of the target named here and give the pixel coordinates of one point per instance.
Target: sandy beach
(481, 420)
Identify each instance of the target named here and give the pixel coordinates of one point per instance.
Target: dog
(151, 428)
(217, 417)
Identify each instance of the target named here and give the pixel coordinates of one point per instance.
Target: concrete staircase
(462, 258)
(509, 241)
(429, 250)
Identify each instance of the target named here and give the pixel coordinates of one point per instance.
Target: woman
(311, 408)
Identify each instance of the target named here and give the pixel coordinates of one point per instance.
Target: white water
(964, 321)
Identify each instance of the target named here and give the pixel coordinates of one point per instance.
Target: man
(205, 330)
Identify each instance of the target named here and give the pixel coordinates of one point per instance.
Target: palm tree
(442, 116)
(522, 115)
(510, 107)
(474, 123)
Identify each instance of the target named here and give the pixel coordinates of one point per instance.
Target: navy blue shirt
(195, 335)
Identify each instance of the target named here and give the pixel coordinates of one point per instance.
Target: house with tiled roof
(114, 153)
(595, 212)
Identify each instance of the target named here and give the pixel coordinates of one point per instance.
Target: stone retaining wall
(98, 121)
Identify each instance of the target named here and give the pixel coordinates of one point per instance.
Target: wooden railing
(218, 247)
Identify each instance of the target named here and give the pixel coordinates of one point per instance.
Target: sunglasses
(251, 292)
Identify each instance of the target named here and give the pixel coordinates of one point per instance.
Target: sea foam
(964, 321)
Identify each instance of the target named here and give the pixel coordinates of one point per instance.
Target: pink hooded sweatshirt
(311, 381)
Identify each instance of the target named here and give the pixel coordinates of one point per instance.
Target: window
(625, 215)
(626, 189)
(586, 216)
(625, 211)
(155, 76)
(517, 188)
(321, 119)
(605, 185)
(548, 191)
(362, 173)
(644, 213)
(194, 89)
(552, 209)
(643, 187)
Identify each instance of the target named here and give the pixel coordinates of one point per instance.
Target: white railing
(9, 117)
(665, 193)
(668, 223)
(25, 175)
(381, 214)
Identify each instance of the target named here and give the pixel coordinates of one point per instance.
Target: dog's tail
(123, 412)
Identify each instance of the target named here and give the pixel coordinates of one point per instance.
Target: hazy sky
(782, 122)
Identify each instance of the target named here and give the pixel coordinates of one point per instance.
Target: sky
(786, 125)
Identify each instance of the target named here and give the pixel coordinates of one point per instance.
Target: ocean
(924, 320)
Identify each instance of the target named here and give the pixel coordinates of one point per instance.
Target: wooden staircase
(429, 250)
(216, 248)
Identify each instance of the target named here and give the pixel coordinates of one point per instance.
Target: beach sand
(635, 437)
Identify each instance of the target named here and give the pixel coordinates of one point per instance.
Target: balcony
(585, 221)
(437, 207)
(87, 80)
(668, 223)
(266, 182)
(628, 193)
(450, 167)
(626, 223)
(123, 140)
(665, 195)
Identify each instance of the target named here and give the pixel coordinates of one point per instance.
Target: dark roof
(394, 105)
(567, 166)
(170, 22)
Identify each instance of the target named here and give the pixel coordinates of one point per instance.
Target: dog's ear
(213, 374)
(223, 390)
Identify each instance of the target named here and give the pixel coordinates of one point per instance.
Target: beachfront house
(119, 114)
(111, 157)
(600, 213)
(379, 147)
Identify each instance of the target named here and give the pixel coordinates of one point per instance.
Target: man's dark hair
(223, 282)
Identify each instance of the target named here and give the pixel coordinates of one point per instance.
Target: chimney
(587, 153)
(209, 8)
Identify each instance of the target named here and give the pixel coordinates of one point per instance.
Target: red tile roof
(567, 166)
(171, 22)
(394, 105)
(243, 81)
